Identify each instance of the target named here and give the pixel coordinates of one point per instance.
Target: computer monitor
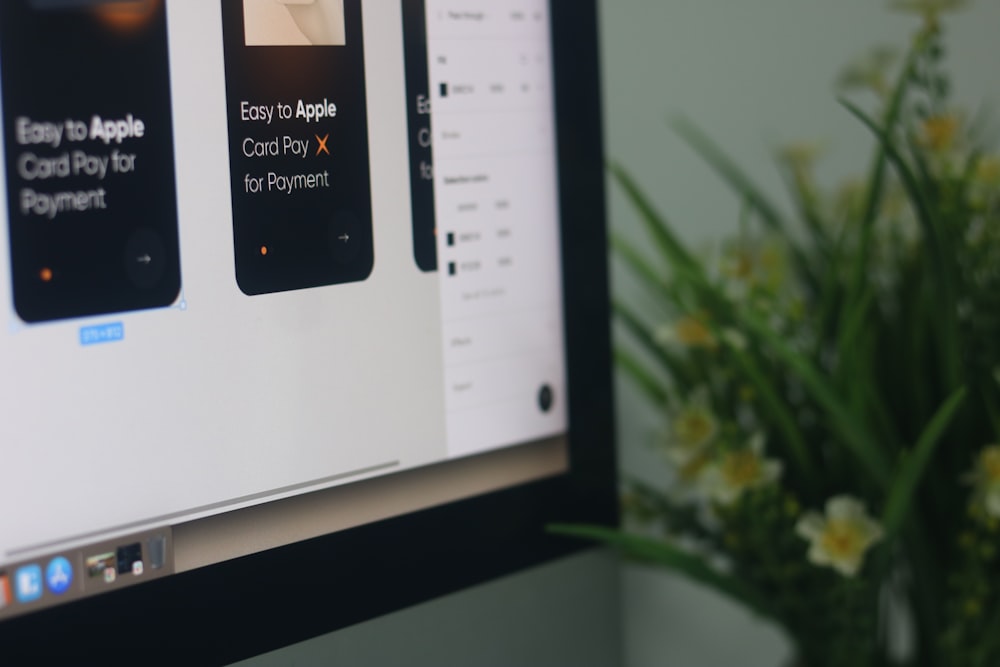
(306, 313)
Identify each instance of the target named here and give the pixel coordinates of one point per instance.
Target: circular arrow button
(144, 258)
(345, 237)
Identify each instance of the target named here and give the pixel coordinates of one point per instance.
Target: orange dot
(45, 274)
(263, 251)
(127, 17)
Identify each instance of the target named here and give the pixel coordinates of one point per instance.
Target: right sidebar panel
(497, 221)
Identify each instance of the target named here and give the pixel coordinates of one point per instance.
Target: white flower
(870, 71)
(800, 156)
(689, 331)
(734, 339)
(986, 480)
(841, 538)
(693, 427)
(735, 472)
(754, 266)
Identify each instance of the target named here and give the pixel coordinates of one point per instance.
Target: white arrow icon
(344, 237)
(144, 259)
(59, 578)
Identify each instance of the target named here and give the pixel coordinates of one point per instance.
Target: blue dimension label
(102, 333)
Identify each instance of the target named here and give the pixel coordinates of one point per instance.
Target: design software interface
(271, 268)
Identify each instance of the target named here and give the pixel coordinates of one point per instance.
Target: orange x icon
(322, 145)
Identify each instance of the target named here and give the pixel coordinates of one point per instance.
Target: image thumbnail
(294, 23)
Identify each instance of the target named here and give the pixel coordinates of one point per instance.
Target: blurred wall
(755, 74)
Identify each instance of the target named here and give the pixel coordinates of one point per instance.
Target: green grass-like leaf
(656, 225)
(876, 181)
(642, 333)
(748, 191)
(854, 324)
(639, 265)
(935, 242)
(854, 435)
(903, 490)
(710, 152)
(655, 390)
(792, 438)
(685, 268)
(911, 184)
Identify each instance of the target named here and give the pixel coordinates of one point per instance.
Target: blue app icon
(59, 575)
(28, 583)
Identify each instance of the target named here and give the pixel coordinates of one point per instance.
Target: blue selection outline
(16, 325)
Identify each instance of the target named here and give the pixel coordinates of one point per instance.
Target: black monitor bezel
(252, 605)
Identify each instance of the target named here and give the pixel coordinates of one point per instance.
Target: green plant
(831, 388)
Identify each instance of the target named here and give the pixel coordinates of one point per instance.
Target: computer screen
(273, 270)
